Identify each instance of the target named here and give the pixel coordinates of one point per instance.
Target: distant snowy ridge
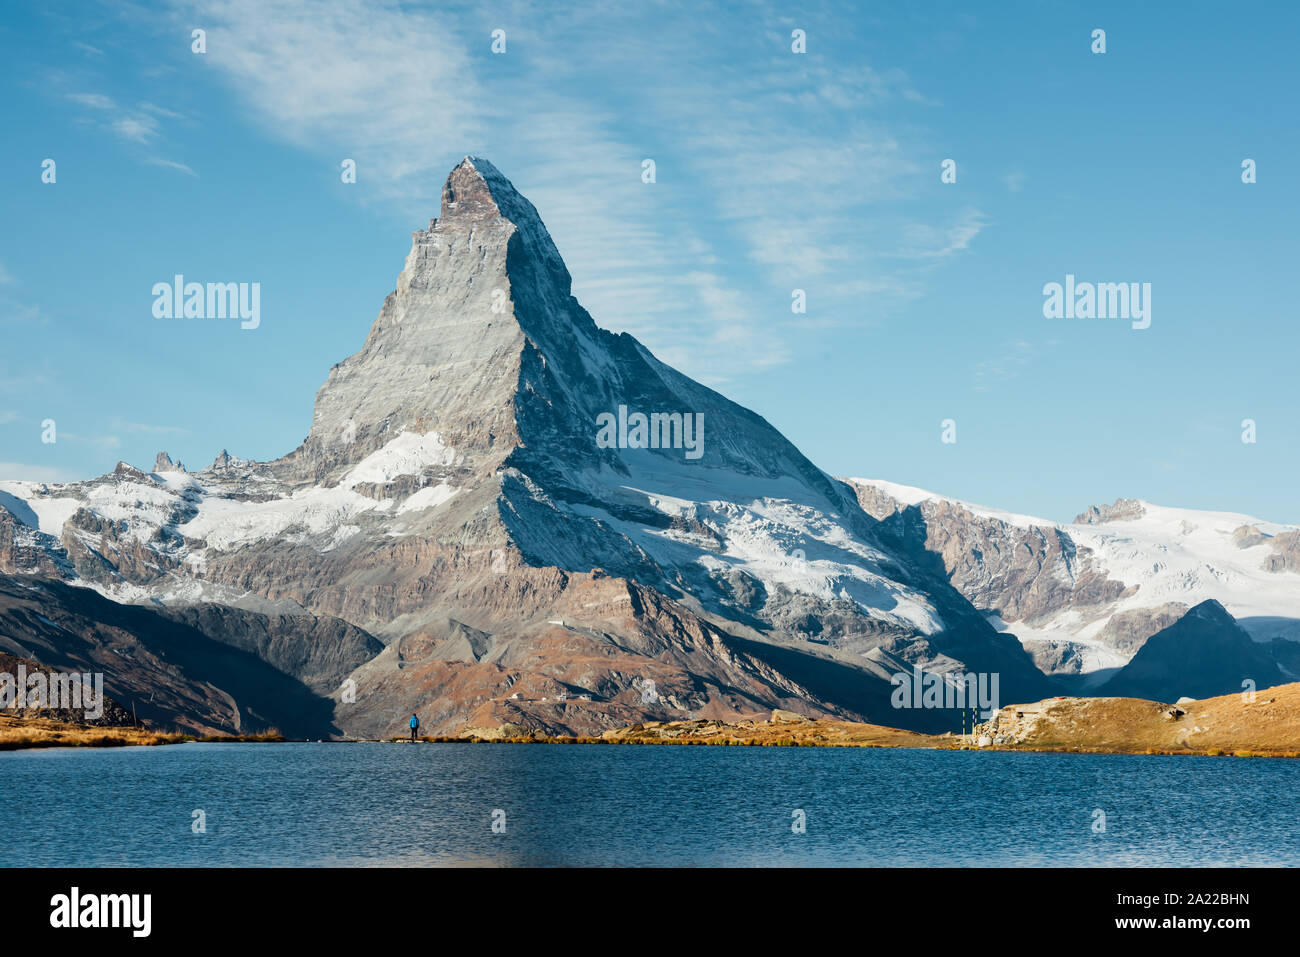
(1153, 556)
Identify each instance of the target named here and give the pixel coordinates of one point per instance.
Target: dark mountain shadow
(20, 510)
(853, 689)
(1204, 654)
(173, 673)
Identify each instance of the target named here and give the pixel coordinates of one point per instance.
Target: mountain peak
(477, 192)
(1203, 654)
(477, 195)
(1212, 610)
(482, 287)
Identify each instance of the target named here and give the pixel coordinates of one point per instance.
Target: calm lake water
(321, 804)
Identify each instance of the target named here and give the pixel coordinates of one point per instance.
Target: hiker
(415, 726)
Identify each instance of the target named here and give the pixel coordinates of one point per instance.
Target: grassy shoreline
(1050, 734)
(24, 733)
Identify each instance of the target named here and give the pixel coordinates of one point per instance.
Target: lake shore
(1263, 724)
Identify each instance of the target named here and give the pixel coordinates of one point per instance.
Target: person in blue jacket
(415, 726)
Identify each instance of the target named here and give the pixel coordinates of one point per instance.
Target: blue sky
(775, 171)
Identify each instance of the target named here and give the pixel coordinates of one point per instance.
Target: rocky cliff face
(1285, 548)
(445, 355)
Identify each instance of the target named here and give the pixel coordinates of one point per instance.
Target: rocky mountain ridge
(1084, 597)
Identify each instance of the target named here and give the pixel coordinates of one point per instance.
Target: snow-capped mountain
(1084, 596)
(544, 523)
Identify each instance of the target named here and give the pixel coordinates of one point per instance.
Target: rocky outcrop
(1286, 553)
(25, 550)
(110, 713)
(318, 651)
(163, 463)
(1247, 536)
(1019, 573)
(1123, 510)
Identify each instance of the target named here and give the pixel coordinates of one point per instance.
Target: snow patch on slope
(225, 524)
(1177, 554)
(50, 513)
(408, 454)
(431, 496)
(779, 531)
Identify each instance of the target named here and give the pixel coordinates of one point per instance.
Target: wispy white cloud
(24, 379)
(12, 313)
(170, 164)
(924, 241)
(381, 82)
(100, 441)
(397, 90)
(138, 128)
(95, 101)
(140, 124)
(161, 111)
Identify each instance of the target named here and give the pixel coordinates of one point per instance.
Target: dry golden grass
(18, 732)
(271, 735)
(750, 733)
(785, 734)
(22, 732)
(1267, 726)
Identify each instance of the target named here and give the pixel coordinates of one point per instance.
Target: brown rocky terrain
(1121, 510)
(1266, 723)
(112, 713)
(782, 729)
(1022, 573)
